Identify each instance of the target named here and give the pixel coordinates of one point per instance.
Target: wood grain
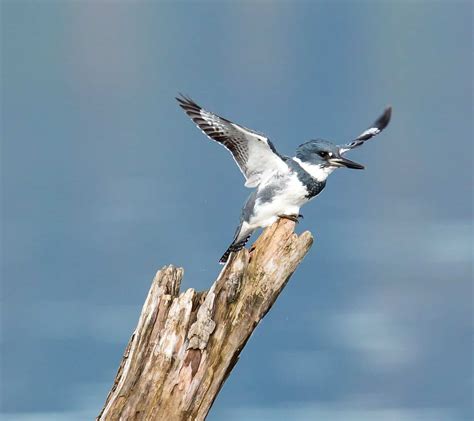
(186, 344)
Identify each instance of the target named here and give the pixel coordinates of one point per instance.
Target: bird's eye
(323, 154)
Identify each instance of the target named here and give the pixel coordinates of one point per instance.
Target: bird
(282, 184)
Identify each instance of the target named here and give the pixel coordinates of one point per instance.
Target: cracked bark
(186, 344)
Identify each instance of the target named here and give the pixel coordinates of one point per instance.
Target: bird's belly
(286, 202)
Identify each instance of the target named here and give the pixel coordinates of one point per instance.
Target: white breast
(288, 202)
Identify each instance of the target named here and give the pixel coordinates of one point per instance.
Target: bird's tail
(235, 246)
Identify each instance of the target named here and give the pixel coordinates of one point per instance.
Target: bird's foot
(293, 218)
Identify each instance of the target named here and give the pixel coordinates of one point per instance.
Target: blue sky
(105, 180)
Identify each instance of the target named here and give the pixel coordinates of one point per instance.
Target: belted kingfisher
(283, 184)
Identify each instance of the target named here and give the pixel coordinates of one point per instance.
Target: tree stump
(186, 344)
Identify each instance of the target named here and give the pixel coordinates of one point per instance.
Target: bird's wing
(369, 133)
(253, 152)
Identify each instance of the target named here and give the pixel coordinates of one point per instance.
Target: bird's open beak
(344, 162)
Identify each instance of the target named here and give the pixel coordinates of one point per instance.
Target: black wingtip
(384, 119)
(187, 104)
(185, 99)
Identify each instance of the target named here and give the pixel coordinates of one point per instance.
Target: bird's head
(325, 155)
(320, 157)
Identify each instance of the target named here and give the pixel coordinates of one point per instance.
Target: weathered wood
(185, 345)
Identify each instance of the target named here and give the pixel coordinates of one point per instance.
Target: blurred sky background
(105, 180)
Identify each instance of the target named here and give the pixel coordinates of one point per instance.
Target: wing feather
(253, 152)
(369, 133)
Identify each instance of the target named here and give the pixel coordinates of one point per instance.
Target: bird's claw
(293, 218)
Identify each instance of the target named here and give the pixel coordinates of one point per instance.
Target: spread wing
(372, 131)
(253, 152)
